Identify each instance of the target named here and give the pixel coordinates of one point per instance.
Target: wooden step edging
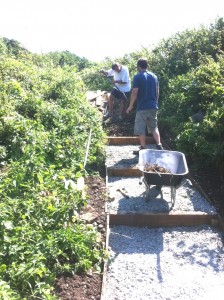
(127, 140)
(172, 219)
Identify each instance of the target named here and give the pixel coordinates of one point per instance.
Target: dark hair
(142, 63)
(114, 65)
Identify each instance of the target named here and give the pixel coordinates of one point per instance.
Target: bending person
(121, 90)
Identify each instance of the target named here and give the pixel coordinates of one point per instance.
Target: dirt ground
(88, 287)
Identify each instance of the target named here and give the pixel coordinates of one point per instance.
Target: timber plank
(128, 140)
(124, 172)
(163, 219)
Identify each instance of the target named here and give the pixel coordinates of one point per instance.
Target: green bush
(199, 92)
(45, 122)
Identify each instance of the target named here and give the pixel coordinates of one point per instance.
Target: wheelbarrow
(172, 161)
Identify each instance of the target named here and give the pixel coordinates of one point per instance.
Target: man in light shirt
(121, 89)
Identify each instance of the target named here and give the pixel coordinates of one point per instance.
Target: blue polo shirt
(147, 84)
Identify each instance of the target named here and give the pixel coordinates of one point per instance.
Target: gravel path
(126, 195)
(172, 263)
(185, 263)
(122, 156)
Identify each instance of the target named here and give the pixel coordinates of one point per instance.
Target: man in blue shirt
(146, 92)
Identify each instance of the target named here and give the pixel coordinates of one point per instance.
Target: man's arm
(119, 81)
(105, 73)
(134, 94)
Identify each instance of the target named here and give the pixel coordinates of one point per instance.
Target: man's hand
(119, 82)
(133, 98)
(103, 72)
(129, 109)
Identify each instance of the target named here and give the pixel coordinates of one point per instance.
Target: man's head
(142, 64)
(116, 67)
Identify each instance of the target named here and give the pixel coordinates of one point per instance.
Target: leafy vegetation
(197, 117)
(190, 67)
(44, 126)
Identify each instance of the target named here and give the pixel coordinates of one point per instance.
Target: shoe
(159, 147)
(136, 152)
(107, 115)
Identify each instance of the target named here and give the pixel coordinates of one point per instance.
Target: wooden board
(92, 95)
(124, 172)
(127, 140)
(164, 219)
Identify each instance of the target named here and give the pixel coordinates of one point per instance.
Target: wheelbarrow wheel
(147, 194)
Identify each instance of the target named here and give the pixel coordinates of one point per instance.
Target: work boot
(108, 115)
(136, 152)
(159, 147)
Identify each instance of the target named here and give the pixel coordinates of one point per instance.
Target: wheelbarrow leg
(147, 192)
(159, 187)
(173, 195)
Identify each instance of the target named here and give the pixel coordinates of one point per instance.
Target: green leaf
(8, 225)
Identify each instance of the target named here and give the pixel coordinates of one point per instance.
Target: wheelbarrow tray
(173, 161)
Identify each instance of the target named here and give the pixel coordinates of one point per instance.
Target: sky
(97, 29)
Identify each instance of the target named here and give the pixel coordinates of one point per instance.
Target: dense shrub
(45, 122)
(194, 112)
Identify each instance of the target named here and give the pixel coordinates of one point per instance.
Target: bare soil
(88, 286)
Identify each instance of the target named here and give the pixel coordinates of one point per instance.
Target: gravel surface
(171, 263)
(127, 195)
(122, 156)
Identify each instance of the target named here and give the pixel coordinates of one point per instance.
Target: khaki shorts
(143, 119)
